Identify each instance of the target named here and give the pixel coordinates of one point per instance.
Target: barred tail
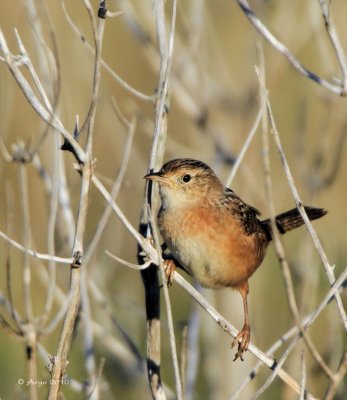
(291, 219)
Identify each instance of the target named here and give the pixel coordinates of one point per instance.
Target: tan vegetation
(93, 98)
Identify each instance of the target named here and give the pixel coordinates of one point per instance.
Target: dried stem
(115, 190)
(246, 145)
(267, 35)
(339, 375)
(193, 352)
(86, 169)
(114, 75)
(9, 225)
(51, 235)
(41, 88)
(327, 267)
(98, 33)
(26, 224)
(59, 361)
(335, 41)
(276, 238)
(275, 372)
(44, 113)
(303, 377)
(149, 276)
(35, 254)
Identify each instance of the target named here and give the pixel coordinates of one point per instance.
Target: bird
(212, 234)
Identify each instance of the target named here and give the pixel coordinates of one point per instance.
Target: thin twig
(17, 332)
(335, 41)
(245, 146)
(86, 169)
(45, 114)
(28, 327)
(51, 57)
(303, 377)
(107, 67)
(193, 351)
(339, 375)
(8, 328)
(66, 220)
(263, 30)
(88, 336)
(98, 28)
(28, 64)
(276, 238)
(275, 372)
(9, 226)
(59, 315)
(328, 268)
(139, 238)
(51, 234)
(59, 361)
(98, 376)
(137, 267)
(41, 256)
(149, 276)
(24, 196)
(115, 190)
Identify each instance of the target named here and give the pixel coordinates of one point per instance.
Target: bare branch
(262, 29)
(41, 256)
(115, 190)
(328, 268)
(244, 149)
(98, 32)
(335, 41)
(45, 114)
(107, 67)
(51, 234)
(128, 264)
(276, 239)
(339, 375)
(86, 169)
(303, 377)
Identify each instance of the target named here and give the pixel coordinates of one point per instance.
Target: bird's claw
(169, 269)
(242, 340)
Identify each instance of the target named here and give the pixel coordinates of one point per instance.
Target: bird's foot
(242, 340)
(169, 269)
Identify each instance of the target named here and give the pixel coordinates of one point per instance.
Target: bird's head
(185, 181)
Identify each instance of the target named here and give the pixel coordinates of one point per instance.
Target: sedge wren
(213, 234)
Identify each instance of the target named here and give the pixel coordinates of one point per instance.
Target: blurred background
(214, 102)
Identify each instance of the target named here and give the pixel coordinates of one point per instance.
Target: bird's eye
(186, 178)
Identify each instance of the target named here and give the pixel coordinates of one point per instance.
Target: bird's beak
(154, 176)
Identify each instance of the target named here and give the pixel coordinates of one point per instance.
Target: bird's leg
(243, 337)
